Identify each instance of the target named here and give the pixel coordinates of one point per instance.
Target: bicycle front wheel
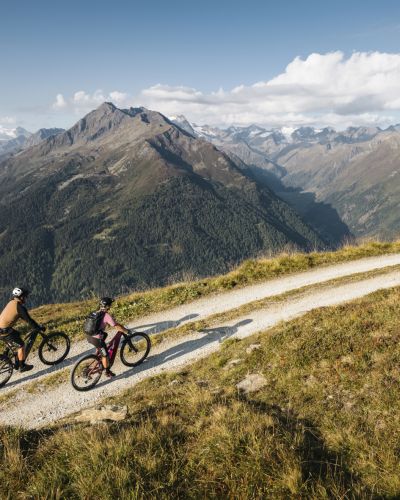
(6, 369)
(135, 348)
(54, 348)
(86, 373)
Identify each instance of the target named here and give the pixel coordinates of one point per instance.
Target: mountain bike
(53, 349)
(87, 371)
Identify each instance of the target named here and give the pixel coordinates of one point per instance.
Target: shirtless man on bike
(98, 339)
(14, 311)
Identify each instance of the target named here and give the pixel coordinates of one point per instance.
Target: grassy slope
(69, 316)
(327, 423)
(215, 320)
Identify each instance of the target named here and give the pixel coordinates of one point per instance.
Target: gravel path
(41, 408)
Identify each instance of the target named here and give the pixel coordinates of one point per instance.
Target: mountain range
(353, 173)
(15, 140)
(126, 199)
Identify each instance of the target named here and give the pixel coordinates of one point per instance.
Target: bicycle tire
(6, 369)
(92, 375)
(51, 344)
(128, 347)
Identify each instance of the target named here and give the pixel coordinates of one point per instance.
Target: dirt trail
(37, 409)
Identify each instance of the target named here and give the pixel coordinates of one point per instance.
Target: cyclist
(98, 339)
(14, 311)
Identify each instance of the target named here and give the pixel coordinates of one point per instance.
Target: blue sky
(177, 56)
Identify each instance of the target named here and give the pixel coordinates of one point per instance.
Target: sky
(219, 62)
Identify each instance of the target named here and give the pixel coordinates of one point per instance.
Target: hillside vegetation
(326, 424)
(69, 316)
(125, 200)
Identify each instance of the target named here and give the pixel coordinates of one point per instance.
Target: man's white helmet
(20, 292)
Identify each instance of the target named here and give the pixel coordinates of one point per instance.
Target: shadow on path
(210, 336)
(49, 369)
(149, 329)
(164, 325)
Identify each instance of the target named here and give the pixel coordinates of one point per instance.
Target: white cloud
(172, 93)
(119, 98)
(322, 89)
(7, 120)
(82, 102)
(59, 103)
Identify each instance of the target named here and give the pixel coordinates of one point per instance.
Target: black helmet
(20, 292)
(106, 301)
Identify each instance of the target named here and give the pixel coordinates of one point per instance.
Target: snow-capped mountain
(183, 123)
(17, 139)
(273, 141)
(353, 173)
(7, 134)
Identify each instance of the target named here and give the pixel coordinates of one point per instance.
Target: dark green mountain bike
(53, 349)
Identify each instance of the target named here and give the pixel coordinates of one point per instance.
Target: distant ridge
(353, 173)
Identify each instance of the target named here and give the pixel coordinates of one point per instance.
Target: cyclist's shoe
(25, 368)
(16, 364)
(109, 374)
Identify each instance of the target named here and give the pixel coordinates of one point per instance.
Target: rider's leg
(21, 354)
(106, 362)
(21, 365)
(102, 346)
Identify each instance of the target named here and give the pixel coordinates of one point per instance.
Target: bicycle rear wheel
(135, 348)
(54, 348)
(6, 369)
(86, 373)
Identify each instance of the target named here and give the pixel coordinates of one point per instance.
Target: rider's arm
(109, 320)
(121, 328)
(24, 315)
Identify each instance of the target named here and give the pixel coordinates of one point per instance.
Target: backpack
(92, 322)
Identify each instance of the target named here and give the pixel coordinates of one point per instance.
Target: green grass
(69, 316)
(326, 425)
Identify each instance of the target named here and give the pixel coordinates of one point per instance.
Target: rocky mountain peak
(20, 131)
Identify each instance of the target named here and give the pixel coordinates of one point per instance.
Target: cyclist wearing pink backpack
(96, 335)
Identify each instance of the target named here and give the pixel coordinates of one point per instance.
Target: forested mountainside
(125, 200)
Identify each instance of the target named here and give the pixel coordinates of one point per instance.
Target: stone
(311, 381)
(101, 413)
(232, 362)
(347, 360)
(253, 347)
(173, 382)
(252, 383)
(202, 383)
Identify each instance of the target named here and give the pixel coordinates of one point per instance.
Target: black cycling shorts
(11, 336)
(99, 343)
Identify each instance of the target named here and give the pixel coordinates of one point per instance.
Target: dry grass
(69, 317)
(325, 426)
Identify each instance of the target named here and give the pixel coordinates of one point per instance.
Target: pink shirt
(107, 320)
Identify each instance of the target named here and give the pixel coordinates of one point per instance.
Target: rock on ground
(102, 413)
(252, 383)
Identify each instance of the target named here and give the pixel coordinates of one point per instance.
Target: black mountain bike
(53, 349)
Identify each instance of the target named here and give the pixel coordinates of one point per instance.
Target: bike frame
(29, 341)
(112, 346)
